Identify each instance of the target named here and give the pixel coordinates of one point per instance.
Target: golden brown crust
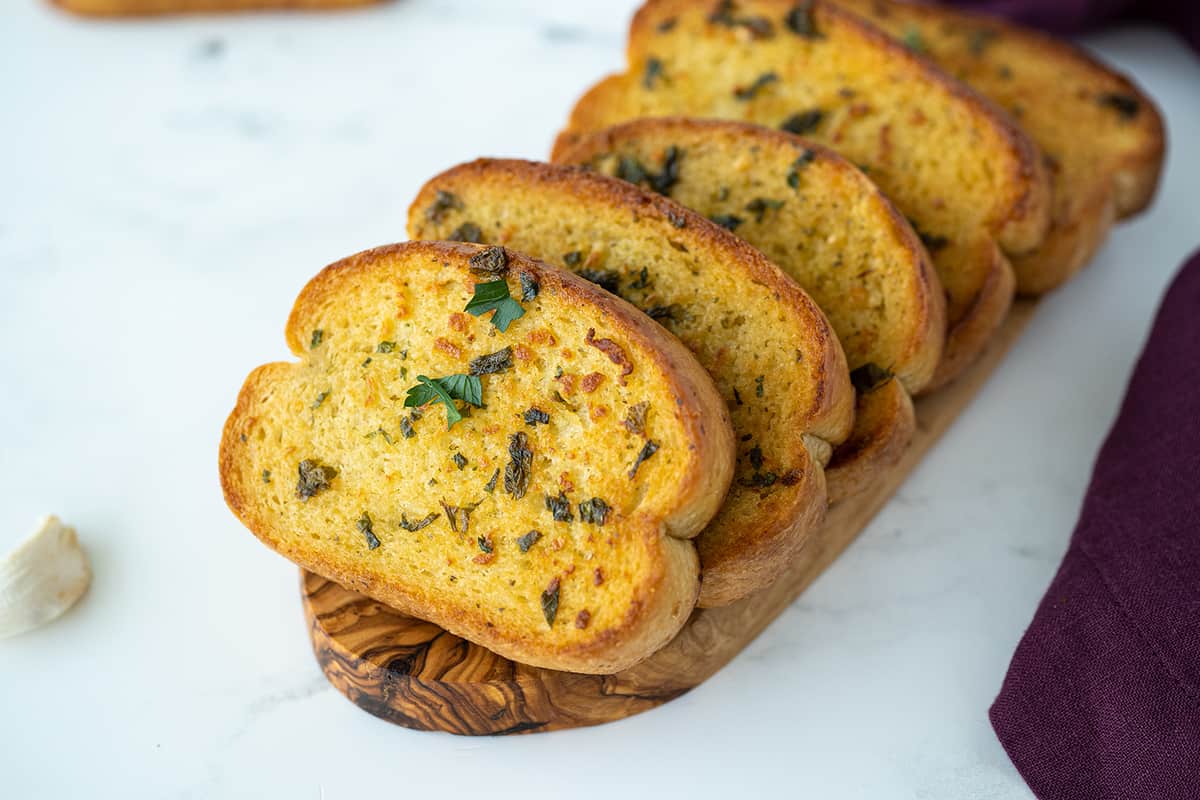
(129, 8)
(659, 602)
(739, 552)
(727, 576)
(924, 336)
(968, 337)
(1056, 89)
(884, 424)
(1014, 210)
(828, 417)
(916, 324)
(1069, 247)
(1020, 218)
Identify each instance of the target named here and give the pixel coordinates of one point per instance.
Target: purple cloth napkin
(1102, 699)
(1076, 16)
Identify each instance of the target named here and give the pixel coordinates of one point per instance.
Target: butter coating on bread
(770, 350)
(1102, 137)
(953, 163)
(815, 215)
(823, 223)
(543, 525)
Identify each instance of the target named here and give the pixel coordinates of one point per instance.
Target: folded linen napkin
(1102, 699)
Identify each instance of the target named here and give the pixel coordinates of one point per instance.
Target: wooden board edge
(415, 674)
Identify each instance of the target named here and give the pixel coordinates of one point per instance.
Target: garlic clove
(42, 578)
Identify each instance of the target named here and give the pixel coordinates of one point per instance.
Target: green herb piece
(724, 14)
(642, 281)
(573, 258)
(756, 457)
(550, 602)
(492, 363)
(529, 287)
(266, 476)
(594, 511)
(648, 449)
(560, 399)
(635, 418)
(445, 391)
(490, 261)
(320, 399)
(421, 523)
(759, 27)
(559, 507)
(367, 529)
(869, 377)
(459, 516)
(666, 179)
(760, 480)
(800, 21)
(803, 122)
(758, 385)
(387, 437)
(528, 540)
(459, 460)
(406, 428)
(727, 221)
(314, 478)
(667, 24)
(606, 279)
(913, 40)
(979, 39)
(662, 314)
(749, 92)
(493, 296)
(442, 202)
(1125, 105)
(385, 347)
(516, 472)
(631, 170)
(490, 486)
(467, 232)
(932, 242)
(737, 397)
(759, 207)
(368, 361)
(534, 416)
(653, 73)
(485, 543)
(317, 336)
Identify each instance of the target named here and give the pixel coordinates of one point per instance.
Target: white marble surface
(167, 188)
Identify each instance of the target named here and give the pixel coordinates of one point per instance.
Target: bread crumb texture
(767, 346)
(816, 216)
(538, 523)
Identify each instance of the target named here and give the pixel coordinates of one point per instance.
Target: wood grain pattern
(415, 674)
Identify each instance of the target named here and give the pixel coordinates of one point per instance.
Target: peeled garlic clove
(42, 578)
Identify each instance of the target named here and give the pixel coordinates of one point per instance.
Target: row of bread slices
(893, 195)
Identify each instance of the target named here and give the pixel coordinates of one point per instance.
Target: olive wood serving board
(415, 674)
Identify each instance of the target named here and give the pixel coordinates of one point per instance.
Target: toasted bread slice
(953, 163)
(1055, 90)
(772, 353)
(860, 460)
(131, 8)
(823, 223)
(544, 527)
